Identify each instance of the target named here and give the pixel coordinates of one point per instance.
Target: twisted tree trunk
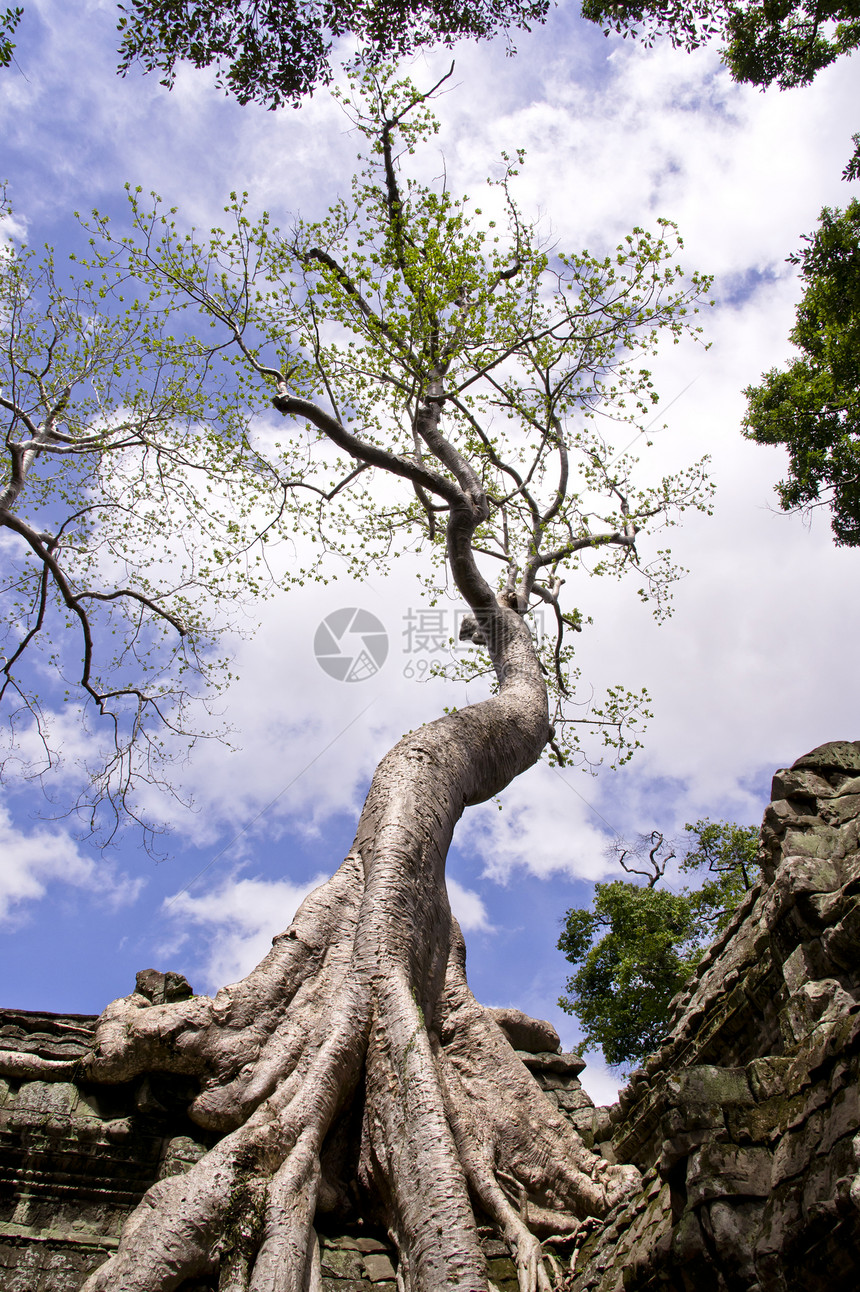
(362, 1007)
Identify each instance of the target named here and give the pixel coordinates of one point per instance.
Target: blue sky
(756, 665)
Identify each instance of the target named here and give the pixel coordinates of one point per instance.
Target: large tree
(763, 43)
(445, 381)
(812, 406)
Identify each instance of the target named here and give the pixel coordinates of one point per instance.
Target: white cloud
(599, 1081)
(36, 859)
(237, 922)
(468, 908)
(545, 828)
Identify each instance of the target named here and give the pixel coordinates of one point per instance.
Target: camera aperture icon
(351, 645)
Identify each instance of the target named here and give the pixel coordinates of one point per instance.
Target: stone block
(843, 1118)
(533, 1035)
(842, 809)
(688, 1241)
(572, 1100)
(821, 842)
(493, 1248)
(796, 1149)
(768, 1075)
(836, 756)
(339, 1263)
(732, 1228)
(728, 1170)
(807, 874)
(841, 942)
(806, 961)
(814, 1004)
(563, 1065)
(706, 1084)
(501, 1269)
(378, 1267)
(179, 1155)
(38, 1100)
(790, 783)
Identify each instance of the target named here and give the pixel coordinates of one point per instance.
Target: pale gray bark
(366, 992)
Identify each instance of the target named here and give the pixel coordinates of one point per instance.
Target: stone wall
(75, 1159)
(746, 1123)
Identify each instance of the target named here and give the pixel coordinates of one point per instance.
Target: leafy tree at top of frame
(276, 51)
(812, 406)
(763, 43)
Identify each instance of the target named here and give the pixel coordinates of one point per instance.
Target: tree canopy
(785, 44)
(140, 499)
(277, 51)
(130, 526)
(638, 943)
(812, 407)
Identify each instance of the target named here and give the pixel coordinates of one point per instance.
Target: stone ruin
(745, 1124)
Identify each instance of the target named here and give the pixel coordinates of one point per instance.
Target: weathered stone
(706, 1084)
(806, 874)
(814, 1004)
(378, 1267)
(368, 1244)
(179, 1155)
(717, 1170)
(563, 1065)
(767, 1076)
(161, 988)
(534, 1035)
(502, 1270)
(572, 1100)
(797, 784)
(340, 1263)
(840, 756)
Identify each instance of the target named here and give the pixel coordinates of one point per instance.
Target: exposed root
(451, 1118)
(354, 1057)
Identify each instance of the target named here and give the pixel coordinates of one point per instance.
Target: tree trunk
(361, 1011)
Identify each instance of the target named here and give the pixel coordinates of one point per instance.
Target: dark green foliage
(275, 51)
(813, 406)
(727, 855)
(634, 950)
(765, 42)
(637, 946)
(9, 20)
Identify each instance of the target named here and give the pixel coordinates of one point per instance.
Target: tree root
(353, 1068)
(451, 1119)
